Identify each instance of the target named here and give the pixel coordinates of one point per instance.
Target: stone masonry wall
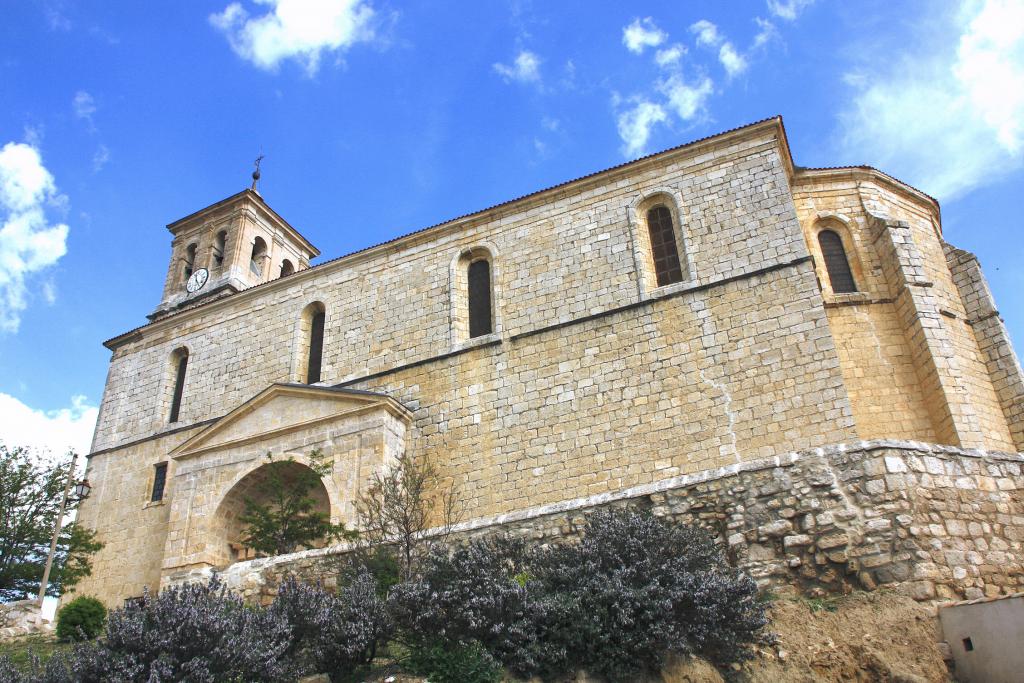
(911, 361)
(22, 617)
(982, 316)
(694, 382)
(935, 522)
(565, 257)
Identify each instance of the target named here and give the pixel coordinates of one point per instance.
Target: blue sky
(378, 118)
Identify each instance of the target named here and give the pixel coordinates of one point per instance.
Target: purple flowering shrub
(199, 633)
(634, 590)
(335, 634)
(477, 593)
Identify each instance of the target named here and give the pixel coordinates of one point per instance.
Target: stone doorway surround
(357, 432)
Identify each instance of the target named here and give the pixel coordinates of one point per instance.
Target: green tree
(30, 495)
(282, 517)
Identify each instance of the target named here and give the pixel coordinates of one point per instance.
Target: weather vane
(256, 172)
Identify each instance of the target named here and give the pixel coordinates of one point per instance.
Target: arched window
(218, 247)
(190, 259)
(311, 350)
(287, 268)
(259, 250)
(479, 290)
(179, 363)
(664, 251)
(836, 263)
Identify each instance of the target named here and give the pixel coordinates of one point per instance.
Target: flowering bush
(476, 593)
(634, 590)
(197, 632)
(333, 634)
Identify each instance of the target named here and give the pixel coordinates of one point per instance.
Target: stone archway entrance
(228, 530)
(356, 433)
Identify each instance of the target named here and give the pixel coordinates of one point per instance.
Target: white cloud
(49, 291)
(733, 62)
(295, 29)
(706, 32)
(788, 9)
(642, 33)
(673, 97)
(525, 68)
(100, 158)
(670, 56)
(686, 99)
(766, 34)
(55, 431)
(84, 105)
(28, 243)
(635, 126)
(950, 120)
(708, 35)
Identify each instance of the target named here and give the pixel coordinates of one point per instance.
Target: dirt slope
(864, 637)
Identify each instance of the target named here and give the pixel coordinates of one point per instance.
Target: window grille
(479, 298)
(159, 481)
(667, 267)
(836, 263)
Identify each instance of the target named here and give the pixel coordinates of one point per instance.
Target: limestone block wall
(568, 254)
(691, 382)
(935, 522)
(695, 381)
(982, 317)
(904, 338)
(133, 529)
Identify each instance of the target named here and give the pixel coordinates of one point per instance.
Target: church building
(693, 311)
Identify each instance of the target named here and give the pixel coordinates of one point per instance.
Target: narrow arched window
(664, 251)
(179, 361)
(190, 259)
(311, 349)
(218, 247)
(259, 249)
(479, 285)
(836, 263)
(287, 268)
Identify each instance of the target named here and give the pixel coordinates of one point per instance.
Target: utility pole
(57, 527)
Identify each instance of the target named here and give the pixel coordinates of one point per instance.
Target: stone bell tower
(232, 245)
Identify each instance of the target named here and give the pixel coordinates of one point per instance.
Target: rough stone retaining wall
(934, 522)
(21, 618)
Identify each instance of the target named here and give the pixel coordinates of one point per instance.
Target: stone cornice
(861, 173)
(244, 201)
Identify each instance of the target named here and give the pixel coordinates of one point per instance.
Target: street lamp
(82, 489)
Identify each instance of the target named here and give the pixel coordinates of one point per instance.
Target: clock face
(197, 280)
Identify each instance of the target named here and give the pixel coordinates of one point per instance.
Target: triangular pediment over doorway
(283, 408)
